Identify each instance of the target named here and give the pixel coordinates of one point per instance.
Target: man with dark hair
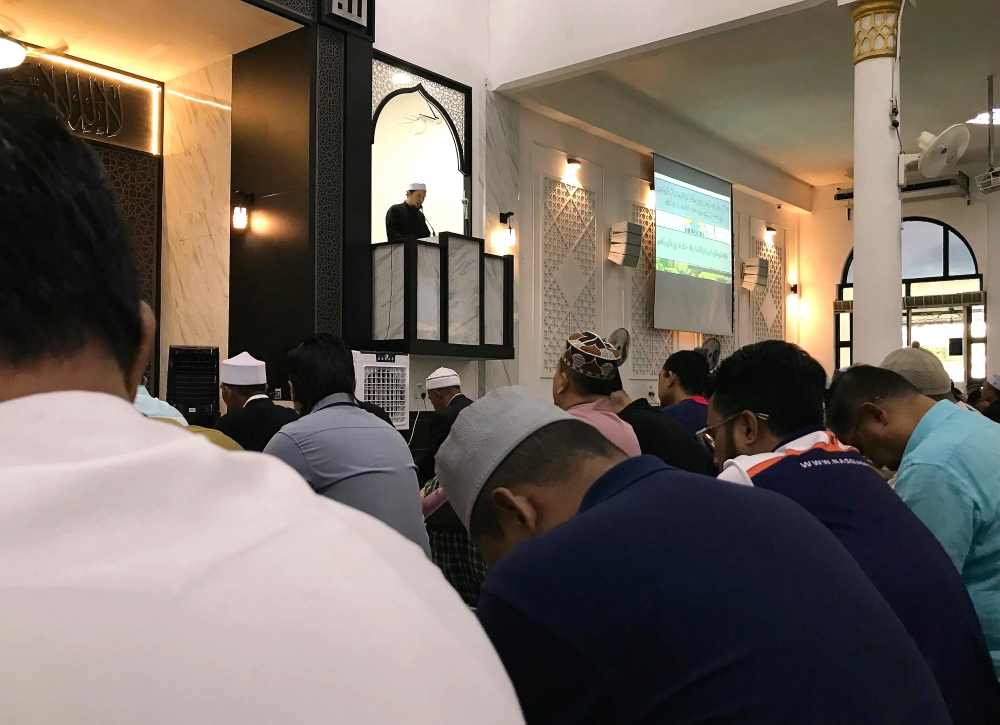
(681, 388)
(583, 383)
(148, 575)
(766, 416)
(344, 452)
(658, 434)
(252, 418)
(948, 463)
(621, 590)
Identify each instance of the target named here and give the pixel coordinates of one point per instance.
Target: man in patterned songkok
(583, 383)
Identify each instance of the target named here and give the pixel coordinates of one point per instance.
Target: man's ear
(147, 337)
(561, 380)
(874, 414)
(747, 427)
(514, 511)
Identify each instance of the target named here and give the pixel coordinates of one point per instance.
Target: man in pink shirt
(582, 386)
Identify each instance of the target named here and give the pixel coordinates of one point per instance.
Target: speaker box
(193, 383)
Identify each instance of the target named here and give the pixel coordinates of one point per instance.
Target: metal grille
(385, 386)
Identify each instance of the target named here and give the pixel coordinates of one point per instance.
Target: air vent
(354, 10)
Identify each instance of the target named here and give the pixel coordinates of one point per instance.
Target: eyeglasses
(707, 438)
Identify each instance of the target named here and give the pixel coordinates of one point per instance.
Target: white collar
(255, 397)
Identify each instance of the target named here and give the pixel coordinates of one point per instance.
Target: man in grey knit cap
(623, 590)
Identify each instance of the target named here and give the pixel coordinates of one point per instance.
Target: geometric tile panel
(650, 347)
(767, 307)
(387, 78)
(569, 263)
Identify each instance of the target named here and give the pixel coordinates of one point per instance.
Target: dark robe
(439, 429)
(403, 220)
(255, 424)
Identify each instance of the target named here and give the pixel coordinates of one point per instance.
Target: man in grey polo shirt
(344, 452)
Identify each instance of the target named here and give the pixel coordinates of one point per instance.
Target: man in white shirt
(149, 576)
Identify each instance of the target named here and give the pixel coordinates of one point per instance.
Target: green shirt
(950, 478)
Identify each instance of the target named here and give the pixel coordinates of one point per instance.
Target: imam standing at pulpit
(407, 219)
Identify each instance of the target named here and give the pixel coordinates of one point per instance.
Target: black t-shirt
(665, 438)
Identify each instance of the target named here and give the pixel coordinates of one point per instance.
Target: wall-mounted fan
(711, 348)
(622, 340)
(938, 154)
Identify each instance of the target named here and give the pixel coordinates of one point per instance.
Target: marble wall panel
(428, 292)
(493, 300)
(389, 303)
(197, 140)
(463, 292)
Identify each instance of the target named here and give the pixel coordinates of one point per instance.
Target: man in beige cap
(924, 371)
(583, 383)
(623, 590)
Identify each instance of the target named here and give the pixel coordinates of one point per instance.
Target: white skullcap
(417, 186)
(244, 369)
(443, 378)
(994, 380)
(481, 438)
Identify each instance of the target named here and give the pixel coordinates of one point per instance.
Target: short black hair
(321, 366)
(67, 267)
(974, 395)
(773, 377)
(544, 457)
(862, 384)
(691, 367)
(248, 390)
(585, 384)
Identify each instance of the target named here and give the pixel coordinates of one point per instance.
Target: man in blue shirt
(680, 389)
(626, 591)
(948, 461)
(766, 416)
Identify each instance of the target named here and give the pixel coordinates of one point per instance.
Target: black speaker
(193, 383)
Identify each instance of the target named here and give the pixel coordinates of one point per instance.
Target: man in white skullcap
(444, 390)
(252, 418)
(406, 219)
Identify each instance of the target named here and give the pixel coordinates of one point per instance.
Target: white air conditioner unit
(383, 378)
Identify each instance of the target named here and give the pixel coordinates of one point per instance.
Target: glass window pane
(978, 322)
(959, 257)
(945, 287)
(847, 293)
(923, 250)
(978, 360)
(850, 272)
(845, 358)
(934, 329)
(845, 327)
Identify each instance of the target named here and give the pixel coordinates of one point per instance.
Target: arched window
(937, 260)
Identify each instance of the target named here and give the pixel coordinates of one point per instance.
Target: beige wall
(197, 142)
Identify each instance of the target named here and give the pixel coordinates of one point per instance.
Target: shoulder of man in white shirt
(149, 574)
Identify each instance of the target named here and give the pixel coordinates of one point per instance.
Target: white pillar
(878, 270)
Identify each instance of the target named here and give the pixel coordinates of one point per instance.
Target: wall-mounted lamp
(794, 289)
(12, 53)
(504, 239)
(770, 233)
(574, 164)
(241, 211)
(570, 174)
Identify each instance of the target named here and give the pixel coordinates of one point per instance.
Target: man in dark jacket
(444, 390)
(253, 418)
(407, 219)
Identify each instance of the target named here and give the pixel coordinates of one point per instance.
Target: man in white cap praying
(444, 390)
(407, 218)
(252, 418)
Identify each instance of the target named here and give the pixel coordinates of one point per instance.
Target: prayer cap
(590, 354)
(244, 369)
(443, 378)
(921, 368)
(417, 186)
(481, 438)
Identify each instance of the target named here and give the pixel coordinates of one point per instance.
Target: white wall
(531, 40)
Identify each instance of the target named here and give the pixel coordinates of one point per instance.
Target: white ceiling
(782, 89)
(151, 38)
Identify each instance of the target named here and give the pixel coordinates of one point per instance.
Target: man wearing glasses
(766, 428)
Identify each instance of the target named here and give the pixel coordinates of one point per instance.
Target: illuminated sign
(98, 103)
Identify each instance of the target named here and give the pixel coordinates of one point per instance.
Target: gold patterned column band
(875, 26)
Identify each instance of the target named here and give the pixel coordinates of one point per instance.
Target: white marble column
(877, 209)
